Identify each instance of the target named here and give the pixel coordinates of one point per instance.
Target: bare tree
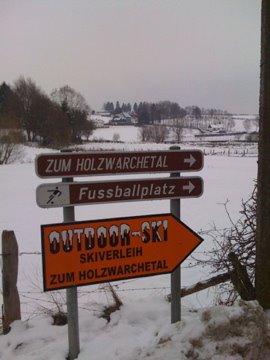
(66, 96)
(145, 133)
(159, 133)
(10, 148)
(154, 133)
(40, 117)
(177, 129)
(235, 242)
(54, 129)
(116, 137)
(30, 97)
(229, 123)
(75, 107)
(88, 129)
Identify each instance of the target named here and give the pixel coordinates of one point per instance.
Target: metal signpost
(72, 296)
(176, 274)
(82, 253)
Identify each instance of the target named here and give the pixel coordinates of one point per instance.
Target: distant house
(124, 118)
(106, 114)
(216, 128)
(101, 118)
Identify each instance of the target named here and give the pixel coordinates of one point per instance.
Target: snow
(126, 133)
(141, 329)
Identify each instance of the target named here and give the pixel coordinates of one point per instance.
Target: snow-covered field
(141, 329)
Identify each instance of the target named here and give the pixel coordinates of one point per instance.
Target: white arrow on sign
(190, 187)
(190, 160)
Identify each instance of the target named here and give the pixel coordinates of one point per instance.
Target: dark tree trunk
(263, 208)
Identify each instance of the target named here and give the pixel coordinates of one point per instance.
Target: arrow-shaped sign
(90, 252)
(83, 193)
(113, 162)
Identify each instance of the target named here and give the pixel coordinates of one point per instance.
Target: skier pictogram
(53, 194)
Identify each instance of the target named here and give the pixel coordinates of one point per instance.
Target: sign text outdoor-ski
(89, 252)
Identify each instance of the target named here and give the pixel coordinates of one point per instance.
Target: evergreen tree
(124, 107)
(108, 106)
(128, 107)
(135, 107)
(154, 115)
(117, 109)
(144, 113)
(111, 108)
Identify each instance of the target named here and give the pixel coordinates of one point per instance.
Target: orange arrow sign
(90, 252)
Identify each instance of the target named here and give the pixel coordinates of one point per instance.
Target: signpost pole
(72, 297)
(175, 275)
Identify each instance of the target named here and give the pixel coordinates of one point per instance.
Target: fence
(11, 309)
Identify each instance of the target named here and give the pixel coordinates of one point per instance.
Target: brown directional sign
(79, 193)
(90, 252)
(101, 163)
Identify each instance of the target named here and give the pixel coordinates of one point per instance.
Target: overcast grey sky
(195, 52)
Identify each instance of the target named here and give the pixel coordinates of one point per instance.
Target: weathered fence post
(11, 300)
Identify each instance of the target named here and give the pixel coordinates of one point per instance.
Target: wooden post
(262, 276)
(11, 300)
(240, 279)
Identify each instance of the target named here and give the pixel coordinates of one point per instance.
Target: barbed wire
(22, 253)
(40, 253)
(101, 290)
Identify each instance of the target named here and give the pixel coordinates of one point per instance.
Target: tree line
(55, 120)
(150, 113)
(63, 117)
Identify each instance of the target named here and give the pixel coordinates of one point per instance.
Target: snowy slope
(141, 328)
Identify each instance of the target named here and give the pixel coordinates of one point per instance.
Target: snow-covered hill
(141, 328)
